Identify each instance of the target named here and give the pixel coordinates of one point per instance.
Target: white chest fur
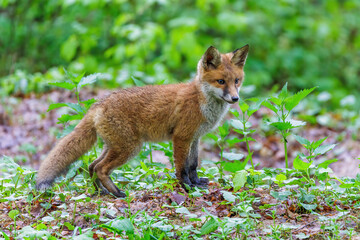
(213, 111)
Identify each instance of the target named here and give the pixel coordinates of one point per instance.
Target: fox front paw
(200, 182)
(204, 181)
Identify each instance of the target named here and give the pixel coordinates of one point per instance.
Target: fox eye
(236, 80)
(221, 81)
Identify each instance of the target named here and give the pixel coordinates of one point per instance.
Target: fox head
(221, 75)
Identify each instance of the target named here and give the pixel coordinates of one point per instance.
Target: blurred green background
(305, 43)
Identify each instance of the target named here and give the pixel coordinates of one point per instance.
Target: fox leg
(113, 159)
(97, 183)
(181, 152)
(192, 163)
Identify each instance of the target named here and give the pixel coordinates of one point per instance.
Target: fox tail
(67, 151)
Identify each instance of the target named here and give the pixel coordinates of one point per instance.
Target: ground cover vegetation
(306, 201)
(281, 166)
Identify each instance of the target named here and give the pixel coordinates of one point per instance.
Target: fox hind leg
(114, 158)
(97, 183)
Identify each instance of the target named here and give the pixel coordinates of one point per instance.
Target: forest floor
(27, 133)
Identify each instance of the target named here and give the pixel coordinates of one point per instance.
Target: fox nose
(234, 99)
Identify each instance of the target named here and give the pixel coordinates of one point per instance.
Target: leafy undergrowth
(245, 200)
(156, 207)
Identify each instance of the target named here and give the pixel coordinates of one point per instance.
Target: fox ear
(211, 58)
(240, 55)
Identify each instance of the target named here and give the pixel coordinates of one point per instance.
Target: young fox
(179, 112)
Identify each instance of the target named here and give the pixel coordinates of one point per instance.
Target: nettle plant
(282, 105)
(242, 125)
(74, 84)
(305, 163)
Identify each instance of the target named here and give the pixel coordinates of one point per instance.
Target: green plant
(242, 124)
(75, 84)
(221, 141)
(282, 105)
(315, 149)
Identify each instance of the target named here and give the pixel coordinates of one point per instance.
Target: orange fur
(128, 117)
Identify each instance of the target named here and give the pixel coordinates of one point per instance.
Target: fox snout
(231, 98)
(230, 93)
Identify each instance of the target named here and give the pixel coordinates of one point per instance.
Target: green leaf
(66, 118)
(66, 85)
(243, 106)
(72, 172)
(267, 104)
(326, 163)
(282, 125)
(8, 162)
(42, 226)
(76, 107)
(234, 112)
(228, 196)
(182, 210)
(233, 156)
(224, 130)
(308, 197)
(13, 213)
(317, 143)
(296, 123)
(78, 78)
(89, 79)
(294, 100)
(347, 185)
(210, 226)
(68, 129)
(302, 140)
(323, 149)
(276, 101)
(301, 165)
(234, 166)
(56, 105)
(119, 226)
(284, 93)
(239, 125)
(239, 179)
(69, 75)
(6, 237)
(212, 136)
(254, 107)
(233, 140)
(85, 236)
(69, 226)
(69, 47)
(309, 207)
(280, 178)
(137, 82)
(88, 103)
(28, 232)
(302, 236)
(254, 99)
(280, 195)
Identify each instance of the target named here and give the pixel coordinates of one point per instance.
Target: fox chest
(213, 113)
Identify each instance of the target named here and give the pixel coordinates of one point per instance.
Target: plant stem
(150, 148)
(247, 142)
(286, 155)
(77, 95)
(221, 159)
(73, 220)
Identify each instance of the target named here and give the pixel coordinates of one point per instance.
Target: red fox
(126, 118)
